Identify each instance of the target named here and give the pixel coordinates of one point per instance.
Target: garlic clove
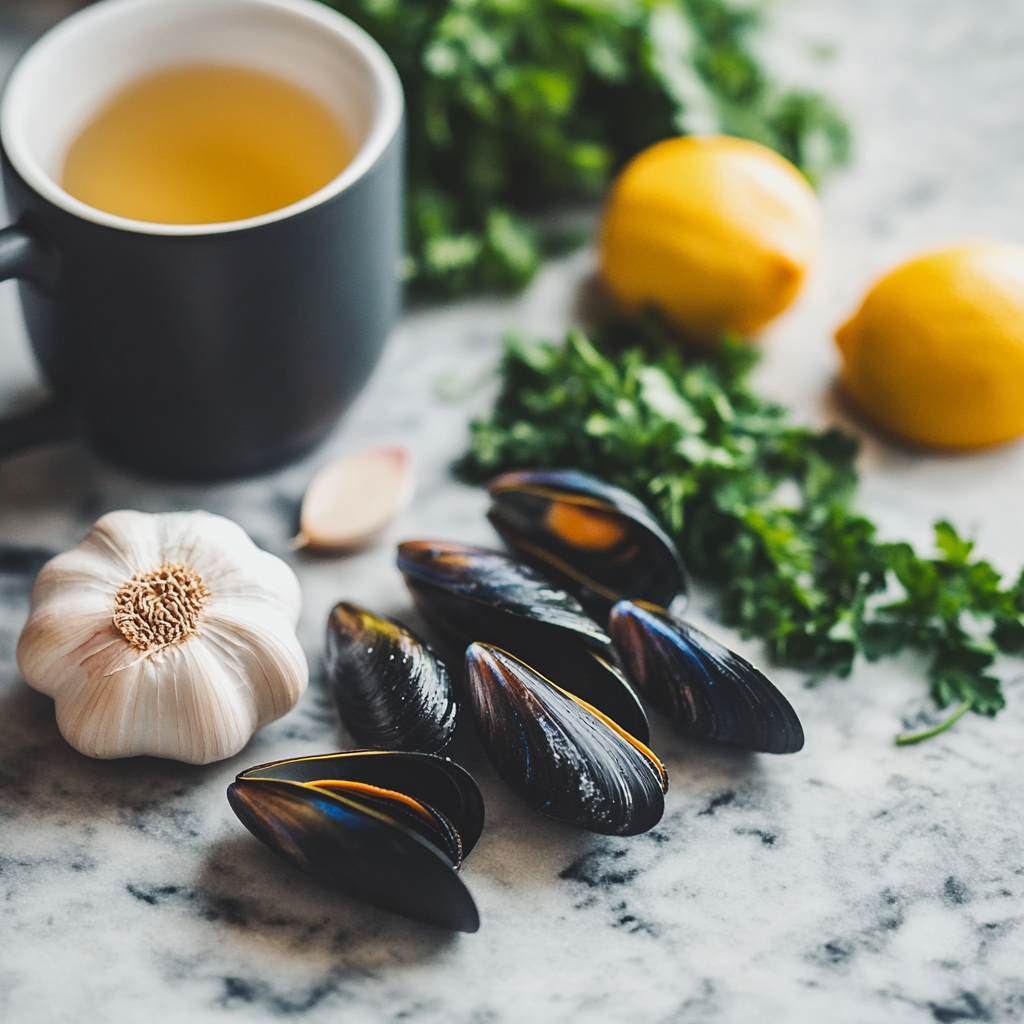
(234, 569)
(267, 658)
(127, 540)
(216, 548)
(352, 500)
(63, 642)
(84, 569)
(276, 586)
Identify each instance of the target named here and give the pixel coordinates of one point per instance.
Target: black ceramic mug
(213, 350)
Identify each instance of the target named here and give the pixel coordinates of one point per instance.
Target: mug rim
(384, 126)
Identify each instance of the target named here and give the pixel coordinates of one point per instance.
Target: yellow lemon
(935, 353)
(717, 232)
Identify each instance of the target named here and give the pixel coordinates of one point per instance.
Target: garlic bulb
(170, 634)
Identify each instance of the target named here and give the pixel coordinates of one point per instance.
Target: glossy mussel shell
(470, 594)
(391, 690)
(562, 756)
(386, 827)
(706, 689)
(597, 541)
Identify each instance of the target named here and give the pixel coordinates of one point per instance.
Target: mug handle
(23, 256)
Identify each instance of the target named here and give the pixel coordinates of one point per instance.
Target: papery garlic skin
(197, 700)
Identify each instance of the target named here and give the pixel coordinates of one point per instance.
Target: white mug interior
(69, 74)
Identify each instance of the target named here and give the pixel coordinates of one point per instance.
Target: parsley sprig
(514, 105)
(761, 508)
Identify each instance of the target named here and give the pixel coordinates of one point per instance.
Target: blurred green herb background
(514, 106)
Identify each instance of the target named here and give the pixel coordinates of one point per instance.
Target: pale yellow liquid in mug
(202, 144)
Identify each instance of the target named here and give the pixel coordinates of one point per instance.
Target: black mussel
(706, 689)
(391, 690)
(472, 594)
(387, 827)
(562, 756)
(597, 541)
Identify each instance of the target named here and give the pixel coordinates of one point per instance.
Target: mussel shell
(597, 541)
(493, 579)
(472, 594)
(369, 846)
(561, 757)
(706, 689)
(391, 690)
(436, 781)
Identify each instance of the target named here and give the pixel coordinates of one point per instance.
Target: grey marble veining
(852, 882)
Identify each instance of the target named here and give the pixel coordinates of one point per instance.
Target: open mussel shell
(391, 690)
(472, 594)
(706, 689)
(597, 541)
(562, 756)
(386, 827)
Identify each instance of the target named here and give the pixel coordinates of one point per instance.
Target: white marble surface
(852, 882)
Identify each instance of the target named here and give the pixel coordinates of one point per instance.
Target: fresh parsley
(760, 508)
(513, 105)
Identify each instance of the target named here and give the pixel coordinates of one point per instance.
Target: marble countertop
(852, 882)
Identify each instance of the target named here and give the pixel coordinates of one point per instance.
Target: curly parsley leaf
(760, 508)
